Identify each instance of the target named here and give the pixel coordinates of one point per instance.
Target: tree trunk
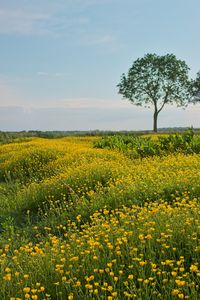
(155, 118)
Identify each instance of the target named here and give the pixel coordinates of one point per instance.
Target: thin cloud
(82, 103)
(55, 74)
(26, 22)
(42, 73)
(20, 21)
(71, 103)
(54, 24)
(99, 40)
(9, 80)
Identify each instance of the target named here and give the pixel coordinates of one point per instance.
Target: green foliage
(139, 147)
(196, 89)
(156, 78)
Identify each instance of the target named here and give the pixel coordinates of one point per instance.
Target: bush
(139, 147)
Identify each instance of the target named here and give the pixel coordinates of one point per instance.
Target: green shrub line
(139, 147)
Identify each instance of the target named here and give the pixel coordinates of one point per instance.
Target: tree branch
(164, 101)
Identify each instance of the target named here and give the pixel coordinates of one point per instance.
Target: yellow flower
(193, 268)
(96, 283)
(78, 283)
(142, 263)
(88, 286)
(114, 294)
(38, 284)
(7, 277)
(175, 292)
(127, 294)
(180, 282)
(7, 270)
(26, 289)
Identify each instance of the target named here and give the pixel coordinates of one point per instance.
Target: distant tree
(156, 80)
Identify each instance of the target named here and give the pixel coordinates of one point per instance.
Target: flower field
(78, 222)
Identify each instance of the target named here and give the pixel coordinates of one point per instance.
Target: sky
(60, 61)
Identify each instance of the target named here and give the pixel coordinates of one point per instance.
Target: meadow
(100, 218)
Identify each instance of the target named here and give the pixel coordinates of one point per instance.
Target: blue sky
(60, 61)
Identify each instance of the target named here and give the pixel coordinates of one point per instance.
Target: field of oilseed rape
(78, 222)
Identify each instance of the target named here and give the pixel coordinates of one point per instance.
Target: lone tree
(156, 80)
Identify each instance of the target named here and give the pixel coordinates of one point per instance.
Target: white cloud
(29, 22)
(20, 21)
(18, 113)
(83, 103)
(9, 97)
(56, 23)
(59, 118)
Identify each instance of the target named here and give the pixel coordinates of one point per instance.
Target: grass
(79, 222)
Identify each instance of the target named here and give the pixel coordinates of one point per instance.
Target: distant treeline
(10, 136)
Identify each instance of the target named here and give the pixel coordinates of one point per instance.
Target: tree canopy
(156, 80)
(196, 89)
